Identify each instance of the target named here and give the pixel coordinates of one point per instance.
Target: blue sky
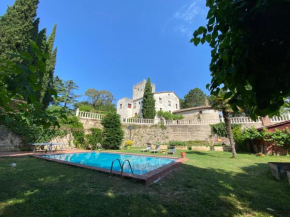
(112, 45)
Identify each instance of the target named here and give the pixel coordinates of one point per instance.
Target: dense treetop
(250, 43)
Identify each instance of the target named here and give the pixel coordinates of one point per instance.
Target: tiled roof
(274, 125)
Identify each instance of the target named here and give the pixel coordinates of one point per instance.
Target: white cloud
(184, 20)
(184, 30)
(188, 13)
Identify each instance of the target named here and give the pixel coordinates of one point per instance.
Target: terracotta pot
(183, 154)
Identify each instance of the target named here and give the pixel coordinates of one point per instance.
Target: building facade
(165, 101)
(198, 113)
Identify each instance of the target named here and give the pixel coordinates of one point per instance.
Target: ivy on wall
(220, 129)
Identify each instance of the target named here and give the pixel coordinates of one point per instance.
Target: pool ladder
(121, 165)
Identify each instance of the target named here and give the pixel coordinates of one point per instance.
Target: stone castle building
(165, 101)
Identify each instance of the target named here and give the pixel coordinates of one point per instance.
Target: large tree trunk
(229, 130)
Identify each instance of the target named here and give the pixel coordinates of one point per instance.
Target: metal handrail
(123, 166)
(113, 164)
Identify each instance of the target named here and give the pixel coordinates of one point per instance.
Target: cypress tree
(19, 25)
(16, 26)
(113, 133)
(148, 109)
(50, 68)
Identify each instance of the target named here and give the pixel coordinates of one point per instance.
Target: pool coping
(147, 178)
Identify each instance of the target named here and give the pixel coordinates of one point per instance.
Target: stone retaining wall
(8, 140)
(142, 134)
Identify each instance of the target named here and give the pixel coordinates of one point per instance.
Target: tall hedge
(113, 133)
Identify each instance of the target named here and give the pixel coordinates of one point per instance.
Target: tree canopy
(250, 43)
(16, 26)
(99, 98)
(19, 25)
(148, 107)
(195, 97)
(66, 92)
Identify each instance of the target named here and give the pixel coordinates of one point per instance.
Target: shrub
(239, 139)
(169, 115)
(220, 129)
(279, 137)
(198, 143)
(87, 108)
(113, 133)
(93, 139)
(77, 130)
(177, 143)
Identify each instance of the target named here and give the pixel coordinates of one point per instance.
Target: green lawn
(208, 184)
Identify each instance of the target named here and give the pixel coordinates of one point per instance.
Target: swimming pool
(140, 164)
(146, 168)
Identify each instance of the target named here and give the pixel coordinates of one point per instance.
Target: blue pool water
(140, 164)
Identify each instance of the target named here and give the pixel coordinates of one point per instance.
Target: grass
(208, 184)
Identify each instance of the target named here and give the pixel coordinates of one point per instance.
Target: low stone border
(288, 175)
(181, 147)
(207, 148)
(279, 169)
(200, 148)
(147, 178)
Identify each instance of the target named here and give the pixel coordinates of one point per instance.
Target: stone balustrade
(234, 120)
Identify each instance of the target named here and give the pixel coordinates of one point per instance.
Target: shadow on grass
(197, 152)
(40, 188)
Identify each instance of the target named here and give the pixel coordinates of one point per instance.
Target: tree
(65, 89)
(113, 133)
(16, 27)
(99, 98)
(52, 52)
(250, 43)
(18, 91)
(19, 25)
(148, 108)
(102, 101)
(195, 97)
(221, 104)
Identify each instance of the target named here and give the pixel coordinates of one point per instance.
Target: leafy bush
(198, 143)
(113, 133)
(77, 130)
(169, 115)
(278, 137)
(220, 129)
(177, 143)
(93, 139)
(239, 139)
(86, 108)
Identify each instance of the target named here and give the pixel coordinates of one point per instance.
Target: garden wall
(153, 133)
(141, 134)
